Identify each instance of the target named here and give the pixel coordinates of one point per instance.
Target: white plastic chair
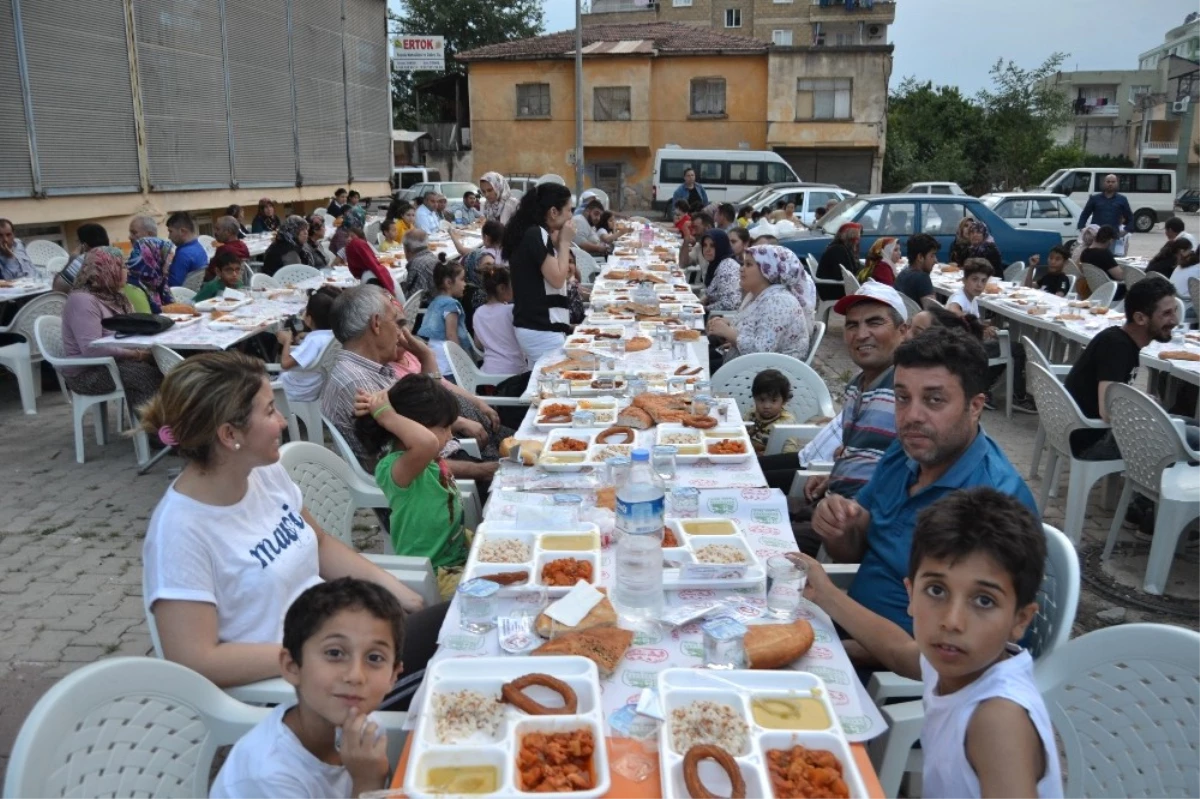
(1156, 466)
(467, 375)
(1095, 277)
(261, 281)
(850, 282)
(911, 305)
(295, 273)
(310, 412)
(184, 295)
(194, 279)
(550, 177)
(412, 307)
(588, 267)
(810, 395)
(1058, 602)
(814, 342)
(1005, 358)
(811, 263)
(1122, 700)
(371, 232)
(48, 335)
(57, 264)
(40, 251)
(1104, 294)
(20, 358)
(207, 242)
(1061, 417)
(1035, 354)
(1131, 275)
(1015, 272)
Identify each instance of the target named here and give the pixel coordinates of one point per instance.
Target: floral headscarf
(288, 234)
(148, 263)
(103, 276)
(780, 266)
(881, 250)
(1088, 236)
(981, 249)
(493, 210)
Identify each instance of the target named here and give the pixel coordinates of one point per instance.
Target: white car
(1032, 210)
(808, 197)
(934, 187)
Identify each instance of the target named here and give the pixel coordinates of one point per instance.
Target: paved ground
(71, 538)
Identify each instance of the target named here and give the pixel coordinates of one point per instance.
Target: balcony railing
(1160, 147)
(618, 6)
(1110, 110)
(851, 5)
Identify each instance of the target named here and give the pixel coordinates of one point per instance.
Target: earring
(237, 445)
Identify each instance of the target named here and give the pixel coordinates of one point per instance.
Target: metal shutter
(16, 176)
(82, 96)
(320, 93)
(850, 169)
(260, 83)
(368, 83)
(183, 93)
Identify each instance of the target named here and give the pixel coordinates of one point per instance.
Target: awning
(407, 136)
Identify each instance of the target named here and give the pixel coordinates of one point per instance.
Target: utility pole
(578, 98)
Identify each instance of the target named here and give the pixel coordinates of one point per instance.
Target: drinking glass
(618, 347)
(785, 584)
(662, 461)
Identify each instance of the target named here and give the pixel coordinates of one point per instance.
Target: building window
(823, 98)
(733, 18)
(681, 3)
(708, 97)
(844, 39)
(783, 38)
(533, 100)
(1136, 92)
(611, 104)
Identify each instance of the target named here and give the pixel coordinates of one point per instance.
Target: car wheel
(1143, 221)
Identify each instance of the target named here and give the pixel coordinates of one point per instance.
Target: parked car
(934, 187)
(808, 197)
(902, 215)
(454, 191)
(1037, 211)
(405, 177)
(1188, 201)
(1150, 192)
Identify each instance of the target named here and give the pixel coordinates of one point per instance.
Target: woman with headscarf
(288, 247)
(97, 294)
(881, 262)
(777, 312)
(842, 253)
(316, 234)
(1087, 237)
(360, 256)
(149, 259)
(499, 203)
(265, 221)
(236, 212)
(722, 280)
(960, 234)
(978, 244)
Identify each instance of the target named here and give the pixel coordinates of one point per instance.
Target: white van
(726, 175)
(1150, 192)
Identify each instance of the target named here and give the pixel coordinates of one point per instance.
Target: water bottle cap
(640, 455)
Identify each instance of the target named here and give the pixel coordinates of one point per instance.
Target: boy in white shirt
(975, 274)
(301, 382)
(976, 565)
(341, 650)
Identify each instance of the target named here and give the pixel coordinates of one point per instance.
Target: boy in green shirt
(229, 276)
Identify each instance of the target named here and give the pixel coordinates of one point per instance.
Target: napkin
(575, 604)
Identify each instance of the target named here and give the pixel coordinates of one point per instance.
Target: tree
(466, 24)
(933, 134)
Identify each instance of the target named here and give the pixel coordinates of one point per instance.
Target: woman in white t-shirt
(230, 545)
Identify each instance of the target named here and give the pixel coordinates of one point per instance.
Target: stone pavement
(71, 541)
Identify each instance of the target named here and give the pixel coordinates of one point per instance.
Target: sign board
(419, 53)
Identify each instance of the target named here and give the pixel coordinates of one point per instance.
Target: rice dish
(503, 550)
(704, 722)
(720, 553)
(462, 714)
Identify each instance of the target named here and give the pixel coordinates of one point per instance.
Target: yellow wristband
(375, 414)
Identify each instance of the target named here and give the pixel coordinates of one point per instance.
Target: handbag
(136, 324)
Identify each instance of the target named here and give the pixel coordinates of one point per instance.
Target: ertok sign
(420, 54)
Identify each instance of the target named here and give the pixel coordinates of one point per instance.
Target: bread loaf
(603, 615)
(771, 646)
(605, 646)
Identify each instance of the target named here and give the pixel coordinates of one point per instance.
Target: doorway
(608, 180)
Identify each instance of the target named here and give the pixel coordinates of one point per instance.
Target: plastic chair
(1104, 294)
(295, 273)
(41, 251)
(1193, 285)
(1015, 272)
(1036, 355)
(1005, 358)
(1061, 417)
(371, 232)
(207, 242)
(588, 267)
(57, 264)
(811, 263)
(1058, 603)
(1151, 446)
(48, 335)
(814, 341)
(911, 305)
(550, 177)
(412, 308)
(261, 281)
(1131, 275)
(810, 395)
(184, 295)
(467, 375)
(310, 412)
(19, 358)
(1095, 276)
(850, 282)
(332, 495)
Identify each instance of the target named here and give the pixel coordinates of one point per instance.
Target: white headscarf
(779, 265)
(493, 210)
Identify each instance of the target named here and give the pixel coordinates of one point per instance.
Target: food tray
(709, 437)
(220, 304)
(239, 323)
(567, 461)
(602, 334)
(693, 534)
(486, 676)
(181, 319)
(605, 409)
(588, 388)
(599, 453)
(679, 688)
(541, 551)
(688, 441)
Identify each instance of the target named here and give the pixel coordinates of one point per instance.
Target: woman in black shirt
(1169, 257)
(978, 245)
(537, 247)
(1100, 254)
(841, 252)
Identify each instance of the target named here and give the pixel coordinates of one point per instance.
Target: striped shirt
(351, 372)
(868, 429)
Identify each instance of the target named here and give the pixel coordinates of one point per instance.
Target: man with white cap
(876, 322)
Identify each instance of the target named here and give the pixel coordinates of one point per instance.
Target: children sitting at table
(228, 268)
(975, 274)
(681, 216)
(977, 561)
(341, 650)
(444, 319)
(1054, 280)
(771, 390)
(390, 238)
(494, 331)
(301, 381)
(407, 426)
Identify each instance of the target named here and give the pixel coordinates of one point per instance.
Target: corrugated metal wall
(227, 100)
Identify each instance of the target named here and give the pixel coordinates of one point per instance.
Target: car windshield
(458, 189)
(845, 211)
(1050, 181)
(991, 200)
(753, 197)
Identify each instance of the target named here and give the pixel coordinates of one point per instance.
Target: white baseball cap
(874, 291)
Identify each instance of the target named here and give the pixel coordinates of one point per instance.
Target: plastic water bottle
(646, 236)
(638, 593)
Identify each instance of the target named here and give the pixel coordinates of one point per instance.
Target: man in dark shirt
(922, 256)
(1100, 255)
(1107, 208)
(691, 191)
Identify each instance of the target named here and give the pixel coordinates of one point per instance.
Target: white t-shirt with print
(303, 384)
(250, 559)
(960, 299)
(270, 761)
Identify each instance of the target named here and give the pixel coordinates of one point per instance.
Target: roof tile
(665, 37)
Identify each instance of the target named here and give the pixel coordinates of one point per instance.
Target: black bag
(136, 324)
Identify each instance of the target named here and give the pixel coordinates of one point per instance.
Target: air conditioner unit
(1180, 106)
(873, 31)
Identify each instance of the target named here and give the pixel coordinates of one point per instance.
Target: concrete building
(1103, 102)
(1183, 41)
(649, 85)
(119, 107)
(1163, 118)
(789, 23)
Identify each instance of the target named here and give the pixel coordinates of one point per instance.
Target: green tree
(934, 133)
(466, 24)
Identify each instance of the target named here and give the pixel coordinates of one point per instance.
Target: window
(1013, 209)
(711, 172)
(823, 98)
(783, 38)
(708, 97)
(844, 39)
(939, 219)
(940, 188)
(733, 18)
(681, 3)
(1136, 92)
(897, 219)
(778, 173)
(748, 173)
(819, 199)
(1049, 208)
(1148, 183)
(533, 100)
(611, 104)
(672, 171)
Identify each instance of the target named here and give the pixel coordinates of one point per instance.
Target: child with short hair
(771, 390)
(1055, 281)
(974, 571)
(341, 650)
(228, 268)
(407, 426)
(494, 330)
(743, 216)
(301, 381)
(682, 216)
(975, 274)
(445, 319)
(390, 237)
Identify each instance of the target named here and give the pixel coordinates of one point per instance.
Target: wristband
(375, 414)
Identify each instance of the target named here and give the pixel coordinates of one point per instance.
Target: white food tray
(181, 319)
(706, 439)
(220, 304)
(566, 461)
(486, 676)
(239, 323)
(691, 539)
(605, 409)
(678, 688)
(540, 544)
